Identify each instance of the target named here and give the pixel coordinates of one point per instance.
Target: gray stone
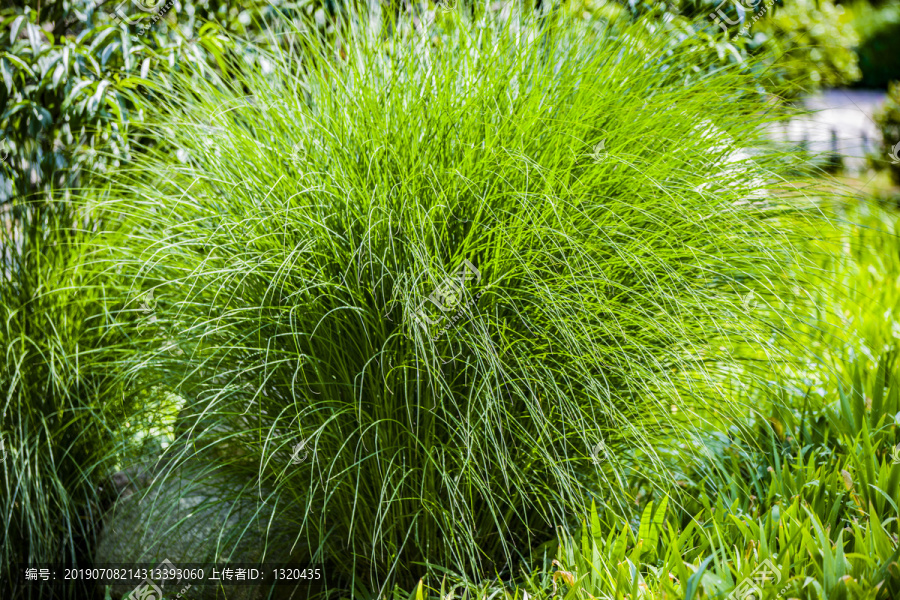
(193, 513)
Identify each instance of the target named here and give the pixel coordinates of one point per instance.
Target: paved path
(841, 119)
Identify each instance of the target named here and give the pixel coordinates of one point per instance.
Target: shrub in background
(797, 47)
(812, 42)
(73, 79)
(888, 120)
(878, 28)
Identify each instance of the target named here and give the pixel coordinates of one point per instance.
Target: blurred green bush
(805, 44)
(888, 120)
(878, 28)
(812, 44)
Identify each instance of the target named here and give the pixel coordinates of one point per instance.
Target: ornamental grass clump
(430, 293)
(63, 409)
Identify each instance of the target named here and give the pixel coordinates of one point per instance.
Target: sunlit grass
(291, 223)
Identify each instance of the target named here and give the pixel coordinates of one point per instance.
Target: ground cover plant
(575, 205)
(812, 486)
(830, 478)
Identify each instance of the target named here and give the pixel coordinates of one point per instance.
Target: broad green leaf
(693, 583)
(823, 544)
(108, 51)
(113, 100)
(6, 72)
(651, 525)
(878, 389)
(94, 102)
(101, 37)
(596, 530)
(14, 28)
(125, 43)
(884, 543)
(618, 551)
(19, 63)
(58, 74)
(48, 65)
(74, 93)
(846, 411)
(34, 38)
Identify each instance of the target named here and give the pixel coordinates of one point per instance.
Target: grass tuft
(616, 208)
